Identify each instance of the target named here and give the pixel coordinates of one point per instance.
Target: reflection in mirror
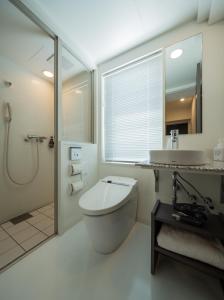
(183, 100)
(76, 99)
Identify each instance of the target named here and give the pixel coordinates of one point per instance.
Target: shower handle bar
(38, 138)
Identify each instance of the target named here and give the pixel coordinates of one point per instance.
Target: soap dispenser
(218, 150)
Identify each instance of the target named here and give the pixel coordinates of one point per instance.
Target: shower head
(8, 112)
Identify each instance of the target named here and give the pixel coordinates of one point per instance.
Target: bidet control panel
(75, 153)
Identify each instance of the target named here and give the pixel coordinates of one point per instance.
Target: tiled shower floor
(15, 240)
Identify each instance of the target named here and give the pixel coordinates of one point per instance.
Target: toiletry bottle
(51, 142)
(218, 150)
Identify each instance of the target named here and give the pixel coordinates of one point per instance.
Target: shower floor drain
(21, 218)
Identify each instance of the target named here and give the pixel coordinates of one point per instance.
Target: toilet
(109, 209)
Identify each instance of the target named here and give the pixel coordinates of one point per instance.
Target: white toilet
(109, 210)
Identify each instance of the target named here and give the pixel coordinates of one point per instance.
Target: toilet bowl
(109, 209)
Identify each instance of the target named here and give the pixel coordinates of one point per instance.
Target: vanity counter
(213, 168)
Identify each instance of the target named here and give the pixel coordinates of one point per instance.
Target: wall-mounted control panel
(75, 153)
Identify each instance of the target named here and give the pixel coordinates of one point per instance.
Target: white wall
(69, 212)
(213, 109)
(32, 102)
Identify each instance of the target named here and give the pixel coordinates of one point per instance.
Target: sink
(178, 157)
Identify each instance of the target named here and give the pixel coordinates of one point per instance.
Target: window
(133, 110)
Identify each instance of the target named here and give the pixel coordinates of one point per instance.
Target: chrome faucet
(174, 136)
(37, 138)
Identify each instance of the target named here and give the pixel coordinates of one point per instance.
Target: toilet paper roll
(76, 169)
(76, 186)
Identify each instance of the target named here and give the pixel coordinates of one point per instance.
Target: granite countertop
(213, 167)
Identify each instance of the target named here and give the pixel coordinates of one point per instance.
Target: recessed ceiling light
(48, 74)
(182, 100)
(176, 53)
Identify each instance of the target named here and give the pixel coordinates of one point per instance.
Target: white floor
(68, 268)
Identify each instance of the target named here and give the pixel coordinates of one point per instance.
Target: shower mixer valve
(38, 138)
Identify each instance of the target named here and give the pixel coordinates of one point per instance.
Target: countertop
(213, 167)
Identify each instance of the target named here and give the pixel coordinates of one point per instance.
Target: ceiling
(27, 45)
(178, 105)
(181, 72)
(101, 29)
(22, 41)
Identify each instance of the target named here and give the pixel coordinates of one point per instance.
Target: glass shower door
(26, 134)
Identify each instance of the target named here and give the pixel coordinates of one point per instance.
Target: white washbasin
(178, 157)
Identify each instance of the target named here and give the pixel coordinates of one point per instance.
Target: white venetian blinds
(133, 110)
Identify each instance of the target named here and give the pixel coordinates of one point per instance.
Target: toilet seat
(106, 196)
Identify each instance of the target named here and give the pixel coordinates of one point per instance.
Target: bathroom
(70, 133)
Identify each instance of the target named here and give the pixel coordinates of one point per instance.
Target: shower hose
(7, 161)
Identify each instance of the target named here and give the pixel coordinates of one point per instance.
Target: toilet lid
(104, 198)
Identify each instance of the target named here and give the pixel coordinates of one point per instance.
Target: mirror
(183, 98)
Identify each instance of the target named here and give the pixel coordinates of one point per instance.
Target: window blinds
(133, 110)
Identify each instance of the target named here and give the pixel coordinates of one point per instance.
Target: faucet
(174, 138)
(39, 139)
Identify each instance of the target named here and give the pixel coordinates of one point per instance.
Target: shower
(35, 138)
(28, 125)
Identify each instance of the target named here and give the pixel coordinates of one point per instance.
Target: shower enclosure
(46, 98)
(27, 129)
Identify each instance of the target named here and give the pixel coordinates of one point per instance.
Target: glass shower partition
(46, 99)
(27, 133)
(76, 99)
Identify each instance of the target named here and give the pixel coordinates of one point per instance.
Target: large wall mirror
(183, 99)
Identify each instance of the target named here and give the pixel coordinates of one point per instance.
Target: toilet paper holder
(76, 169)
(73, 191)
